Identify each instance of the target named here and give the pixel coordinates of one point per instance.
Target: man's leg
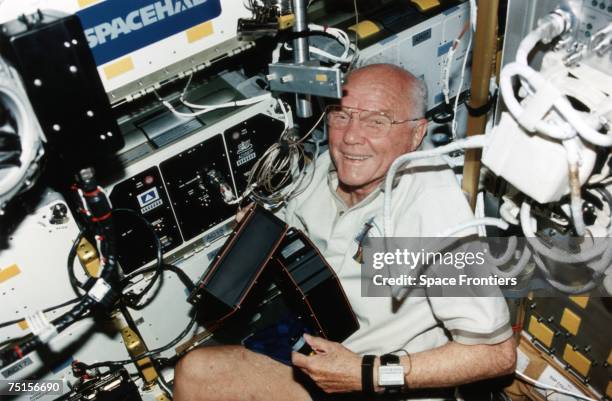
(233, 373)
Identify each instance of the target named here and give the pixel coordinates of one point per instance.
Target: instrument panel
(187, 188)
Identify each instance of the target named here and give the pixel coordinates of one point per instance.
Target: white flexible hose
(567, 289)
(29, 137)
(549, 27)
(237, 103)
(516, 269)
(475, 142)
(561, 104)
(552, 388)
(483, 221)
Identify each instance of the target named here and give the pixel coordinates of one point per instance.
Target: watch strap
(367, 374)
(389, 359)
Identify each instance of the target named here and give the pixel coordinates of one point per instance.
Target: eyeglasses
(374, 123)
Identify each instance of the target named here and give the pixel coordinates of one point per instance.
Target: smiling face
(362, 161)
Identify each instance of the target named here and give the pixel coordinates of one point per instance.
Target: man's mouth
(355, 157)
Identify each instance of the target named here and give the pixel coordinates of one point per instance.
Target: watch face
(391, 375)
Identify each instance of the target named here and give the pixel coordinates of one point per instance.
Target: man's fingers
(242, 212)
(320, 345)
(299, 360)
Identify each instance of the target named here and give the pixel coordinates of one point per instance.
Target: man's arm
(454, 364)
(336, 369)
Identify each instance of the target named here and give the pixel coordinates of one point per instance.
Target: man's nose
(353, 134)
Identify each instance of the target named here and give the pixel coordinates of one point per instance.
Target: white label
(553, 378)
(391, 375)
(149, 200)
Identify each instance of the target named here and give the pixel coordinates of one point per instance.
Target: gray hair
(418, 96)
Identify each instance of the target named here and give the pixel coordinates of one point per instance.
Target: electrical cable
(49, 309)
(76, 285)
(163, 384)
(281, 164)
(202, 109)
(340, 36)
(133, 301)
(461, 80)
(189, 285)
(356, 54)
(96, 207)
(545, 386)
(147, 354)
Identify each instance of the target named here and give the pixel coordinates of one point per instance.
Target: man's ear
(418, 133)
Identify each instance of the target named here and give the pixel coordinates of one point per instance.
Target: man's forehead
(374, 94)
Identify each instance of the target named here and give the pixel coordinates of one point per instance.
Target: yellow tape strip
(285, 21)
(425, 5)
(579, 362)
(85, 3)
(199, 31)
(580, 300)
(9, 272)
(570, 321)
(540, 331)
(364, 29)
(120, 67)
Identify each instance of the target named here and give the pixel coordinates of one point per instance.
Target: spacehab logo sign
(115, 28)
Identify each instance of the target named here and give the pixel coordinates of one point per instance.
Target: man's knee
(203, 363)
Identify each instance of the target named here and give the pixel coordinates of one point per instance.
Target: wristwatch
(391, 373)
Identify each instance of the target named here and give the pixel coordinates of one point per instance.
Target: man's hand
(243, 211)
(334, 368)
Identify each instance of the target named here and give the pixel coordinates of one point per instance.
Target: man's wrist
(377, 388)
(406, 362)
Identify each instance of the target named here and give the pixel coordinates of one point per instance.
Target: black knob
(59, 214)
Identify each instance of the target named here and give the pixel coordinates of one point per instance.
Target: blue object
(276, 341)
(115, 28)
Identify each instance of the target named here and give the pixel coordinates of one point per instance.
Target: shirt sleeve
(472, 320)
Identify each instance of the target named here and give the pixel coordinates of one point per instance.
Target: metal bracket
(305, 79)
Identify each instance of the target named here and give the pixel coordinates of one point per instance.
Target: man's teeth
(353, 157)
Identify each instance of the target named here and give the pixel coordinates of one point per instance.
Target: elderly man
(443, 342)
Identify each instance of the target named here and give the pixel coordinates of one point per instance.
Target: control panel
(146, 195)
(198, 201)
(247, 142)
(187, 188)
